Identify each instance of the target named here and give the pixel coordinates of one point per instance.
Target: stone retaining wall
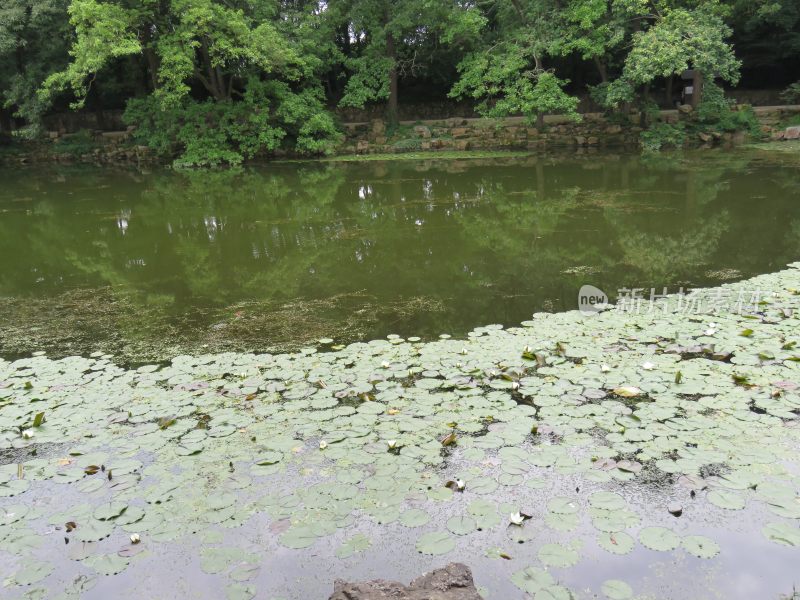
(593, 131)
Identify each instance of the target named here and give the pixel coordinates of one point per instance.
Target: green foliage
(718, 113)
(33, 37)
(408, 144)
(791, 95)
(76, 144)
(259, 81)
(210, 133)
(369, 81)
(663, 135)
(208, 62)
(677, 40)
(504, 84)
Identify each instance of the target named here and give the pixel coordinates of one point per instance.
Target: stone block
(792, 133)
(453, 582)
(378, 126)
(422, 131)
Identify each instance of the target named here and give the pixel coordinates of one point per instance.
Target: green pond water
(147, 264)
(148, 385)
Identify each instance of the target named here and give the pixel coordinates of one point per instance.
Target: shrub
(791, 95)
(717, 113)
(663, 135)
(211, 133)
(76, 144)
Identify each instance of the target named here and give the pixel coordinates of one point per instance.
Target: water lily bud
(135, 538)
(27, 434)
(463, 351)
(323, 444)
(515, 385)
(392, 444)
(460, 484)
(516, 518)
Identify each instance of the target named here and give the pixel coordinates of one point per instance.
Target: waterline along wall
(593, 131)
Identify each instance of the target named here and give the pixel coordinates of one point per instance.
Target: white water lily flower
(323, 444)
(27, 434)
(514, 385)
(516, 518)
(648, 366)
(605, 368)
(709, 331)
(385, 364)
(460, 484)
(463, 351)
(392, 444)
(135, 539)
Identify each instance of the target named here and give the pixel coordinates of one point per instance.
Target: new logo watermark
(591, 299)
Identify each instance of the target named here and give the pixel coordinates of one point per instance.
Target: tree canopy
(218, 81)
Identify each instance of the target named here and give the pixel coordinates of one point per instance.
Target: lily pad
(782, 533)
(532, 579)
(556, 555)
(726, 499)
(614, 589)
(461, 525)
(32, 571)
(436, 542)
(93, 531)
(414, 517)
(617, 542)
(106, 564)
(700, 546)
(659, 538)
(357, 543)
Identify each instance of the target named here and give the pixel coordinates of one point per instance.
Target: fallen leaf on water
(449, 439)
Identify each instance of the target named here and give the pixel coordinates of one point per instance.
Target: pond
(147, 265)
(249, 384)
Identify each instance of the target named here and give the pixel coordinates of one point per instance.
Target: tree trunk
(391, 109)
(669, 92)
(152, 67)
(6, 124)
(99, 113)
(643, 115)
(601, 69)
(212, 81)
(697, 91)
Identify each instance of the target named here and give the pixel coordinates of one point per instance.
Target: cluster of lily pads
(508, 433)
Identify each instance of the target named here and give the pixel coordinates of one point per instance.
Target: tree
(229, 79)
(509, 74)
(595, 29)
(32, 34)
(675, 40)
(387, 40)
